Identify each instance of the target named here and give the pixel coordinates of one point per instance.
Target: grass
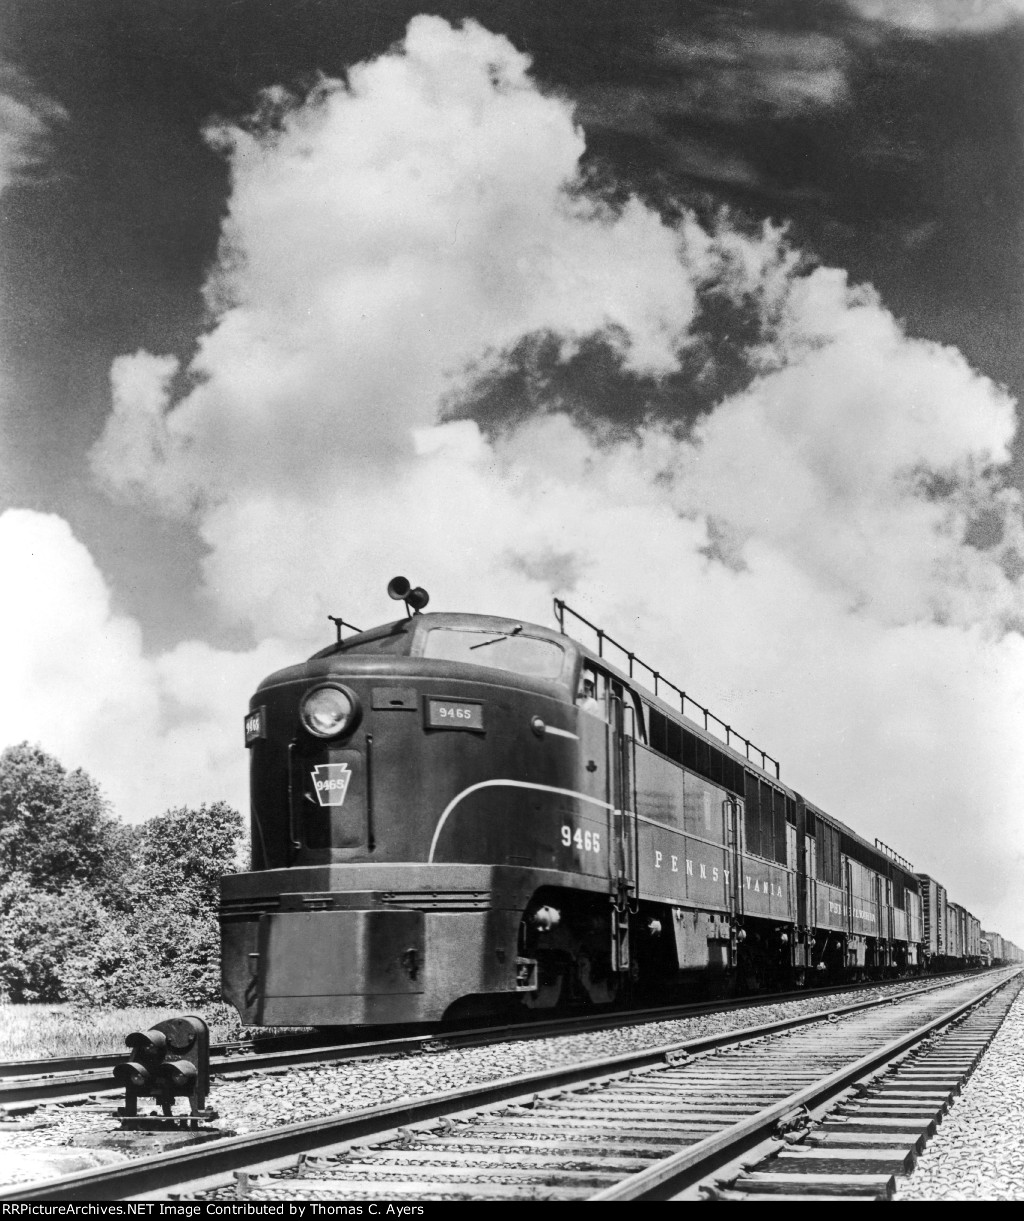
(36, 1031)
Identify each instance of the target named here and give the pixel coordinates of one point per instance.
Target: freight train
(997, 951)
(457, 814)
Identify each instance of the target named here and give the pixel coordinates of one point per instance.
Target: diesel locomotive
(454, 814)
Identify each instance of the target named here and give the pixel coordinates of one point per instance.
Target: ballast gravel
(270, 1099)
(978, 1151)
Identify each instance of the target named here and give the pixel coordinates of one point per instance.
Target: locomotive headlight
(328, 711)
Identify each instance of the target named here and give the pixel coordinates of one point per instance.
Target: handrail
(893, 855)
(562, 608)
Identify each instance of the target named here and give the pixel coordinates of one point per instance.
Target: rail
(386, 1154)
(24, 1082)
(562, 609)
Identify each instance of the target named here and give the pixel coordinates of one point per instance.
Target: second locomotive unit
(452, 812)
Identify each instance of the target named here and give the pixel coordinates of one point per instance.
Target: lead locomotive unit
(455, 811)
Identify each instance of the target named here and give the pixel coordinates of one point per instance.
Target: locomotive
(455, 814)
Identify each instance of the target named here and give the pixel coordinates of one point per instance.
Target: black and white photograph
(512, 631)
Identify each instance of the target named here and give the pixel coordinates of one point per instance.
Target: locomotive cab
(414, 788)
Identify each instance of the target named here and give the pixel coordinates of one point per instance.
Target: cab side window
(624, 703)
(592, 696)
(635, 725)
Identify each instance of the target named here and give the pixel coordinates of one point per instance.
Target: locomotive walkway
(648, 1125)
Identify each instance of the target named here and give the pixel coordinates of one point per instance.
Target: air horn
(415, 599)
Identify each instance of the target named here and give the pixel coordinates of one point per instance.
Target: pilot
(588, 700)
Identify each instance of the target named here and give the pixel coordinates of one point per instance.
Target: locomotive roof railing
(632, 661)
(893, 855)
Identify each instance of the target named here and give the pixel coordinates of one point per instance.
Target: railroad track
(656, 1124)
(40, 1066)
(25, 1084)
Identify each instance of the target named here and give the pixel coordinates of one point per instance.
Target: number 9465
(589, 841)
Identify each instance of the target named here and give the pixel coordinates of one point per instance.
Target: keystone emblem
(331, 783)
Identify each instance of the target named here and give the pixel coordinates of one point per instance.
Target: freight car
(936, 914)
(1001, 951)
(456, 813)
(952, 935)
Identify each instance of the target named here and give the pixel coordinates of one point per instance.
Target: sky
(703, 317)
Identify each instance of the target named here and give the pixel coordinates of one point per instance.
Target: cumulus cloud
(830, 554)
(861, 454)
(934, 17)
(380, 237)
(154, 732)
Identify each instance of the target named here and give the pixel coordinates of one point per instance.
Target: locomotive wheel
(547, 996)
(552, 974)
(608, 986)
(751, 972)
(752, 978)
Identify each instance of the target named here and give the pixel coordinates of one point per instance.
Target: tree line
(96, 911)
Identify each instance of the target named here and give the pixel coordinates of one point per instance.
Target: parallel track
(27, 1083)
(640, 1125)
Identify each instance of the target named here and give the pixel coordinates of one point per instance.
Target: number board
(455, 714)
(255, 725)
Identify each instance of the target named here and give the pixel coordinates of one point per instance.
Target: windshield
(512, 651)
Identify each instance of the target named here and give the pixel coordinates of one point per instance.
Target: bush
(42, 935)
(55, 827)
(152, 958)
(100, 913)
(180, 855)
(165, 950)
